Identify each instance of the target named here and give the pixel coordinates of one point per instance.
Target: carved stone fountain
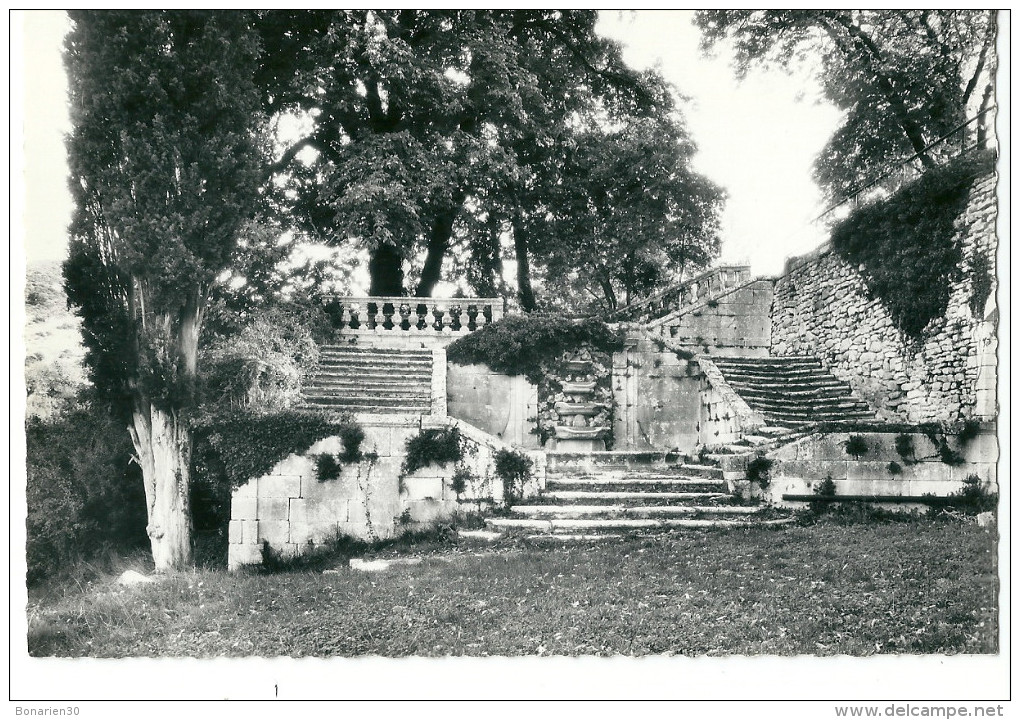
(578, 428)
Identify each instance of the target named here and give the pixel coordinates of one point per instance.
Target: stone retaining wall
(801, 465)
(821, 308)
(292, 512)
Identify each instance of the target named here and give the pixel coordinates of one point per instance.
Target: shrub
(432, 446)
(907, 242)
(461, 480)
(327, 467)
(948, 455)
(83, 492)
(969, 430)
(527, 344)
(825, 489)
(905, 447)
(260, 368)
(973, 498)
(759, 471)
(353, 436)
(894, 468)
(513, 468)
(856, 446)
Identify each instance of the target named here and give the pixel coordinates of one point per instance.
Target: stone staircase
(370, 380)
(792, 391)
(610, 492)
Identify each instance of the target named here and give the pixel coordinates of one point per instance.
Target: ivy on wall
(528, 344)
(238, 446)
(907, 243)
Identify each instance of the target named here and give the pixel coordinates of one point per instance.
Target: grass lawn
(827, 589)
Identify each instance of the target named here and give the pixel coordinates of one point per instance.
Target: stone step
(410, 404)
(554, 525)
(630, 479)
(646, 495)
(382, 394)
(643, 510)
(790, 393)
(396, 381)
(831, 405)
(374, 362)
(767, 361)
(358, 350)
(800, 382)
(370, 409)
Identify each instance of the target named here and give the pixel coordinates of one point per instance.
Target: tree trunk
(439, 241)
(387, 275)
(524, 290)
(163, 447)
(162, 442)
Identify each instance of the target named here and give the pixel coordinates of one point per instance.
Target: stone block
(241, 555)
(279, 486)
(273, 508)
(275, 532)
(234, 531)
(249, 531)
(420, 487)
(244, 508)
(425, 511)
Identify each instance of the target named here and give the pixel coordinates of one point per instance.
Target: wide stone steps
(792, 391)
(371, 380)
(598, 493)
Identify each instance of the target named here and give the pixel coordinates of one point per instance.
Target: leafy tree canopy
(903, 78)
(432, 134)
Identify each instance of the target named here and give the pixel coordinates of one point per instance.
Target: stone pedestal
(576, 429)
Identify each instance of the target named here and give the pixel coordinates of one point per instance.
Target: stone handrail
(413, 315)
(747, 419)
(684, 295)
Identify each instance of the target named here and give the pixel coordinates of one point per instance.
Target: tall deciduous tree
(628, 214)
(417, 118)
(165, 166)
(903, 78)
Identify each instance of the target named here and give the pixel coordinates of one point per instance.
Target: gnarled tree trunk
(162, 439)
(163, 447)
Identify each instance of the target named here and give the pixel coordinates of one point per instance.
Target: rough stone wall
(821, 308)
(501, 405)
(737, 323)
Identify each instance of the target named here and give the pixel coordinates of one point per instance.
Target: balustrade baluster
(405, 315)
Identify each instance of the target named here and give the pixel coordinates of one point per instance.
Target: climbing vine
(907, 243)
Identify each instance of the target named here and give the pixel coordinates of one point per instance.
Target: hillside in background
(53, 347)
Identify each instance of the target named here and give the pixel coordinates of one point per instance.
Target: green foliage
(905, 447)
(759, 471)
(432, 446)
(528, 344)
(165, 162)
(856, 446)
(902, 79)
(461, 480)
(238, 446)
(260, 366)
(447, 128)
(825, 489)
(981, 278)
(83, 492)
(513, 468)
(973, 498)
(969, 430)
(948, 455)
(327, 467)
(907, 243)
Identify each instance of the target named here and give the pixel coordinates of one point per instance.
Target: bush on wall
(238, 446)
(907, 242)
(432, 446)
(528, 344)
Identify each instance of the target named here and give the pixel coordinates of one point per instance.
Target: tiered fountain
(577, 428)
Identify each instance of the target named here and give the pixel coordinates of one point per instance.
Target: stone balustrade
(685, 295)
(413, 315)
